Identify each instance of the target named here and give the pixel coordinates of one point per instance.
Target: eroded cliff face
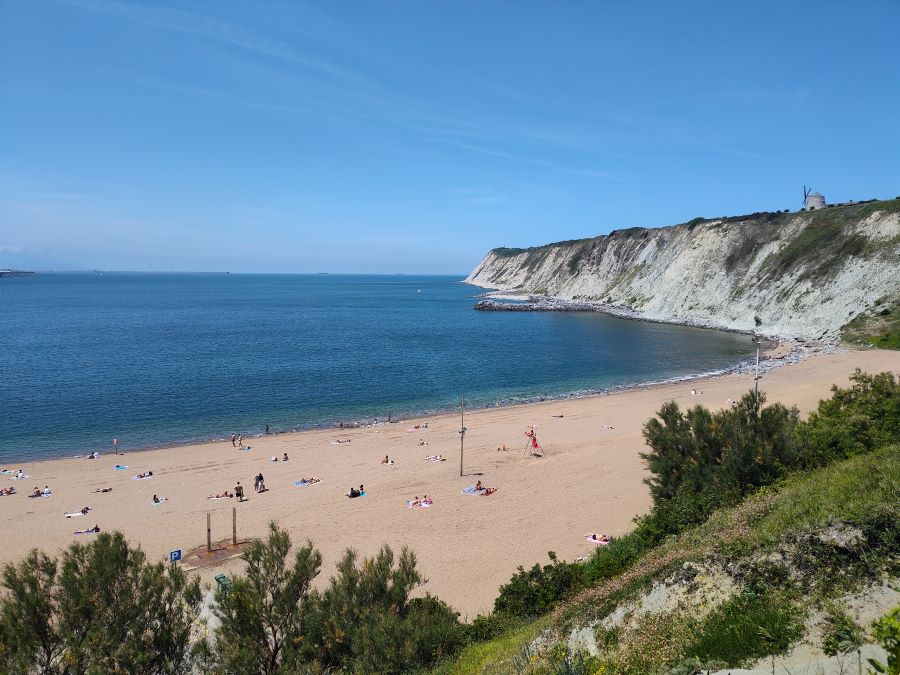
(800, 275)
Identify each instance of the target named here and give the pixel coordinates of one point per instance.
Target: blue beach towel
(119, 467)
(470, 490)
(303, 483)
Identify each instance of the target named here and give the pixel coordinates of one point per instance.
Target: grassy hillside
(740, 587)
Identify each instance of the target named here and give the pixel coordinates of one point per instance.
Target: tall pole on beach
(462, 431)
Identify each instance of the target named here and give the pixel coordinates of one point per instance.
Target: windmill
(806, 192)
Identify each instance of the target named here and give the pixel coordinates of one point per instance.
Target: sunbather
(597, 538)
(95, 528)
(285, 458)
(222, 495)
(106, 489)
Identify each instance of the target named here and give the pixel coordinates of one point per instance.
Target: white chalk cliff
(800, 275)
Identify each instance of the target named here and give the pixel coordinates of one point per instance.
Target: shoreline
(771, 357)
(500, 300)
(589, 479)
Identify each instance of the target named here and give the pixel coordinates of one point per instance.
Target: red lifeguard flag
(534, 443)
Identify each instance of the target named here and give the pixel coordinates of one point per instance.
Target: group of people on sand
(425, 501)
(283, 459)
(357, 493)
(37, 492)
(145, 474)
(237, 440)
(259, 483)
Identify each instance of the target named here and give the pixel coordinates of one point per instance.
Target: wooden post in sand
(234, 526)
(208, 534)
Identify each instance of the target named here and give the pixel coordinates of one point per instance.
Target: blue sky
(282, 136)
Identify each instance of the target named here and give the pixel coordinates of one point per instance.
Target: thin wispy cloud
(527, 160)
(218, 30)
(478, 195)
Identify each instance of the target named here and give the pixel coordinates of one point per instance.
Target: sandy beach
(590, 479)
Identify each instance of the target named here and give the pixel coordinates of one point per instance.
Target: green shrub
(886, 631)
(368, 623)
(536, 591)
(698, 451)
(746, 628)
(101, 608)
(840, 633)
(854, 420)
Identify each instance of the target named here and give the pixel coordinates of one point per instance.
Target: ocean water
(155, 359)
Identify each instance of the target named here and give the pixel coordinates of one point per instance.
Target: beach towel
(597, 542)
(85, 532)
(420, 505)
(218, 497)
(74, 515)
(140, 477)
(120, 467)
(436, 458)
(303, 483)
(484, 492)
(470, 490)
(161, 500)
(22, 477)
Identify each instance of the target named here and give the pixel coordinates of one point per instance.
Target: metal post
(462, 431)
(208, 534)
(756, 376)
(234, 525)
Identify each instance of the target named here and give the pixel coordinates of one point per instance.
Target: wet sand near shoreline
(589, 479)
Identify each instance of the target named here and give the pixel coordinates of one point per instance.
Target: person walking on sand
(239, 491)
(267, 430)
(233, 440)
(240, 440)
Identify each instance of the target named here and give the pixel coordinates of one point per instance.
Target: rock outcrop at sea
(787, 275)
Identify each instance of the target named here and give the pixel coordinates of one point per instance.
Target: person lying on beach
(95, 528)
(93, 455)
(158, 500)
(285, 458)
(597, 538)
(310, 481)
(83, 512)
(387, 460)
(436, 458)
(344, 440)
(103, 490)
(427, 500)
(146, 474)
(484, 491)
(423, 443)
(222, 495)
(274, 459)
(356, 493)
(7, 491)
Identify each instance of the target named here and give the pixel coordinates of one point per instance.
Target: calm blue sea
(155, 359)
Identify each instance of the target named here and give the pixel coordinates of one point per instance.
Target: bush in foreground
(101, 608)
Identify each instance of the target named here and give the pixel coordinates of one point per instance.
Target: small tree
(102, 608)
(369, 624)
(697, 451)
(265, 614)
